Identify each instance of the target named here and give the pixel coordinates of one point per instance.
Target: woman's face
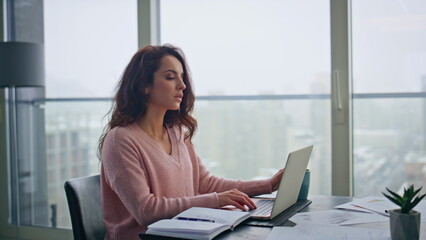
(166, 91)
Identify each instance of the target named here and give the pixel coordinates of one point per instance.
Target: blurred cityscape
(389, 144)
(250, 139)
(244, 139)
(254, 139)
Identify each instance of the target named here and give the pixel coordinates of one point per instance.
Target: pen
(195, 219)
(383, 214)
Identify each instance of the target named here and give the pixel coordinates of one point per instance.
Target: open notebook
(198, 223)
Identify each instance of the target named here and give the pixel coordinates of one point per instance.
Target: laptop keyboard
(264, 207)
(281, 218)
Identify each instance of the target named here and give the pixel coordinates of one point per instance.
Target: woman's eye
(170, 78)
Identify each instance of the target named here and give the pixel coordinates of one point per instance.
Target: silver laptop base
(280, 219)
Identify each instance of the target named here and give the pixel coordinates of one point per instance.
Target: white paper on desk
(352, 207)
(381, 204)
(309, 231)
(337, 217)
(375, 204)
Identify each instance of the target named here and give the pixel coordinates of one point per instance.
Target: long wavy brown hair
(130, 101)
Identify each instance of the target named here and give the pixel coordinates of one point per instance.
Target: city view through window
(389, 68)
(263, 87)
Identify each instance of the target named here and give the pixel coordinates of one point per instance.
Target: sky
(239, 47)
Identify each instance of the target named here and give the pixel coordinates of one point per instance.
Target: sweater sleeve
(126, 176)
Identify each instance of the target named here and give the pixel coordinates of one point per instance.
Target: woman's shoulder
(120, 133)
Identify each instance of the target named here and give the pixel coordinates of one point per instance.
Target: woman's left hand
(276, 179)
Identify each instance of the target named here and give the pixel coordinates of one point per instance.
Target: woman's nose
(181, 84)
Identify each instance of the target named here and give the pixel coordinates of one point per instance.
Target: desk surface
(319, 203)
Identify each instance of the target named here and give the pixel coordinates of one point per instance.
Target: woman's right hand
(236, 198)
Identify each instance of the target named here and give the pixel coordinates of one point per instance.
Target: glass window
(389, 105)
(276, 54)
(251, 47)
(87, 44)
(63, 137)
(78, 157)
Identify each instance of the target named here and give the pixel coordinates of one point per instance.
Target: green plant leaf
(392, 199)
(416, 201)
(395, 195)
(408, 200)
(417, 191)
(408, 193)
(405, 207)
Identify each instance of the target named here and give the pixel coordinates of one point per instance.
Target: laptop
(289, 188)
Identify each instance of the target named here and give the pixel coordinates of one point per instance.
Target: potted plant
(405, 222)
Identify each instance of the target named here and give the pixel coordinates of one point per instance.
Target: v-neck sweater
(141, 183)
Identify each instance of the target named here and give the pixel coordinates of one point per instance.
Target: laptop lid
(291, 181)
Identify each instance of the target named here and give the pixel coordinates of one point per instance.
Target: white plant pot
(404, 226)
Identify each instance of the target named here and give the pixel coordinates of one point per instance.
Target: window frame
(341, 98)
(148, 33)
(147, 17)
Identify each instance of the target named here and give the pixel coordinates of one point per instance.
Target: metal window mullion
(13, 159)
(6, 228)
(9, 23)
(2, 22)
(148, 16)
(341, 147)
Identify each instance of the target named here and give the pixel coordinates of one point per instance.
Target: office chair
(84, 203)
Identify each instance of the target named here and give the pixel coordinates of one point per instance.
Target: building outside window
(262, 72)
(262, 78)
(389, 86)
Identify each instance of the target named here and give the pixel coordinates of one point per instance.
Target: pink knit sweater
(141, 184)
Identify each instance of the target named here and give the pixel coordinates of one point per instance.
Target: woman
(149, 168)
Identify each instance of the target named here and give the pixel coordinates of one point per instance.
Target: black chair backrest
(84, 203)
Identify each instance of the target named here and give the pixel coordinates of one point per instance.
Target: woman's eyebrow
(170, 70)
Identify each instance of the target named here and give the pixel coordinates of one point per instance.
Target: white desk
(244, 232)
